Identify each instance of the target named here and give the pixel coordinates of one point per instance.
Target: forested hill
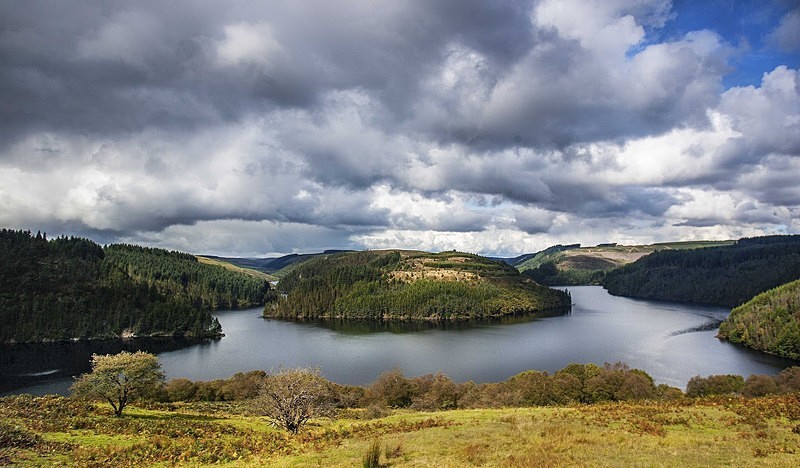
(69, 288)
(177, 273)
(727, 276)
(573, 264)
(410, 285)
(769, 322)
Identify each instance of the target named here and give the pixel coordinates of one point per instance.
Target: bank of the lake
(672, 342)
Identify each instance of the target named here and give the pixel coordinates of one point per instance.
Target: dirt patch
(433, 274)
(588, 262)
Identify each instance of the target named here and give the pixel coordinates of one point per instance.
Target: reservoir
(671, 342)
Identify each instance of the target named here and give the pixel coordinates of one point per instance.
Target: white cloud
(496, 127)
(768, 117)
(246, 43)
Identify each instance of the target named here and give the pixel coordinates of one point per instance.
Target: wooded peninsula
(410, 285)
(72, 288)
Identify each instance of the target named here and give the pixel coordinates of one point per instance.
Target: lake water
(672, 342)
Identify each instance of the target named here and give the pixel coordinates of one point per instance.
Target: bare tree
(291, 397)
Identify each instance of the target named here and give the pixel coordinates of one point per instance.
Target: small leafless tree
(291, 397)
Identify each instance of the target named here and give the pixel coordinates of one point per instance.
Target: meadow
(713, 431)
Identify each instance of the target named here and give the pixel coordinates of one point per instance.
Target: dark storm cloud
(121, 67)
(116, 66)
(147, 119)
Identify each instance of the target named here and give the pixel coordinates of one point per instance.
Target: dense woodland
(726, 276)
(549, 274)
(409, 286)
(566, 265)
(69, 288)
(769, 322)
(177, 273)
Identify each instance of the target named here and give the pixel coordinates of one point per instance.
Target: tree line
(292, 396)
(360, 285)
(548, 274)
(770, 322)
(725, 276)
(69, 287)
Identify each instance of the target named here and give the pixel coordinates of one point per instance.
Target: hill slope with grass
(729, 431)
(275, 267)
(410, 285)
(769, 322)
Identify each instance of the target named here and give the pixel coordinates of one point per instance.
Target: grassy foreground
(729, 431)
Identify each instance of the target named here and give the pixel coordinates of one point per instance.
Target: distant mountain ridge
(271, 265)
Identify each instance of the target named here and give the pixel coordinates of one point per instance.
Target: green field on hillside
(725, 431)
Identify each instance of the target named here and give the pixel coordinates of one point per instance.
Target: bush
(714, 385)
(293, 396)
(393, 389)
(759, 385)
(434, 393)
(180, 390)
(789, 380)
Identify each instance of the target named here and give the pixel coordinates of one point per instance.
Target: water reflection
(27, 364)
(364, 327)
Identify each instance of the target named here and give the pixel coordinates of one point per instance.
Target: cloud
(585, 77)
(787, 34)
(767, 117)
(492, 127)
(246, 238)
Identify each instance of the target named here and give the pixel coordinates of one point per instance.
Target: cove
(671, 342)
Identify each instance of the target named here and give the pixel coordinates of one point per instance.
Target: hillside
(573, 264)
(769, 322)
(410, 285)
(69, 288)
(726, 276)
(276, 267)
(220, 261)
(729, 431)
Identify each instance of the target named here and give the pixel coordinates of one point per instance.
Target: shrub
(393, 388)
(17, 437)
(180, 390)
(714, 385)
(372, 459)
(789, 380)
(293, 396)
(759, 385)
(435, 392)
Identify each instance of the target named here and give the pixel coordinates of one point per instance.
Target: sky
(251, 128)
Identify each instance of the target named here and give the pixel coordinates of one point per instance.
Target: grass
(589, 259)
(711, 432)
(238, 269)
